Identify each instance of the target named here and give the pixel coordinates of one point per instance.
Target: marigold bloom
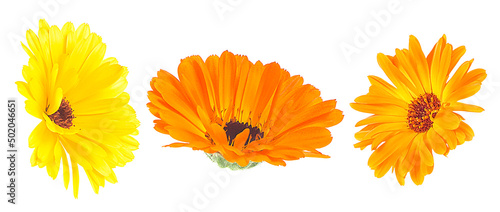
(241, 113)
(415, 115)
(78, 95)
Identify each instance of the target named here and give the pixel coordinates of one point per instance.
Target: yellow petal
(43, 24)
(33, 108)
(23, 89)
(56, 128)
(65, 168)
(56, 43)
(76, 177)
(100, 106)
(55, 101)
(82, 31)
(37, 90)
(38, 135)
(111, 177)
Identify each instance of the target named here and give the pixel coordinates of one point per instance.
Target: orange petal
(376, 119)
(240, 139)
(307, 138)
(192, 139)
(475, 75)
(408, 158)
(415, 51)
(458, 106)
(464, 92)
(174, 119)
(446, 119)
(160, 126)
(363, 144)
(437, 143)
(226, 82)
(381, 109)
(396, 76)
(388, 127)
(382, 88)
(192, 71)
(467, 130)
(467, 86)
(455, 80)
(392, 145)
(455, 56)
(411, 72)
(322, 114)
(286, 153)
(460, 136)
(373, 99)
(448, 136)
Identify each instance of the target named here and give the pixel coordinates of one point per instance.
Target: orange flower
(416, 114)
(241, 113)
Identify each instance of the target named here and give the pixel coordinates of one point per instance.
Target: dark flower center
(233, 128)
(63, 117)
(422, 111)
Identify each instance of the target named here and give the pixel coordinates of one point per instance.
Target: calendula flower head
(78, 96)
(416, 114)
(241, 113)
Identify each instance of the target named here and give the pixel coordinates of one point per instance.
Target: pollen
(63, 117)
(233, 128)
(422, 111)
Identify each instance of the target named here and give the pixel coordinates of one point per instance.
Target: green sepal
(223, 163)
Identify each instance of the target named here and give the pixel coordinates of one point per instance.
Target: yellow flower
(416, 114)
(241, 113)
(79, 98)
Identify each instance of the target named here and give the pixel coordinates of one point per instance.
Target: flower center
(63, 117)
(422, 111)
(233, 128)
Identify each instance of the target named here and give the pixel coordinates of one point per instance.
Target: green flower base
(223, 163)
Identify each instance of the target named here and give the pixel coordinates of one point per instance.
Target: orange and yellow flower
(416, 114)
(241, 113)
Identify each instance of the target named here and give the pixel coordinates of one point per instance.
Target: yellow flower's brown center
(233, 128)
(422, 111)
(63, 117)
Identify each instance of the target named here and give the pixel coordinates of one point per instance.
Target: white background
(304, 37)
